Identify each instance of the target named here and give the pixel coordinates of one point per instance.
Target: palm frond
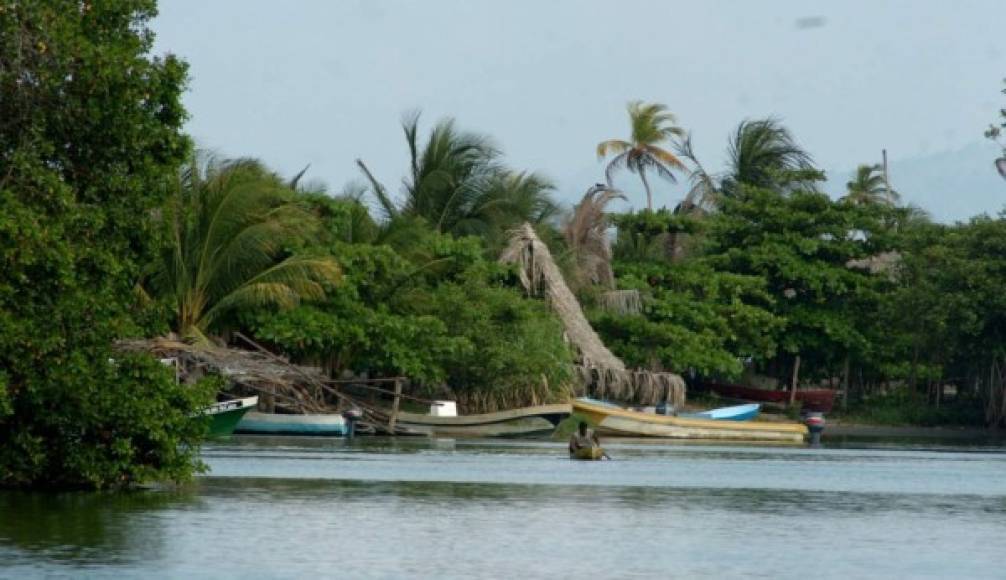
(385, 201)
(612, 147)
(763, 153)
(230, 224)
(295, 180)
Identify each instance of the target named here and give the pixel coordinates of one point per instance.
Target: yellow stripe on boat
(616, 421)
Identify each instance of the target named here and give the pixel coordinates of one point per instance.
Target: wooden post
(796, 379)
(394, 406)
(845, 384)
(887, 180)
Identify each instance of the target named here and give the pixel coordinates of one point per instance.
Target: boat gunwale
(690, 422)
(220, 407)
(296, 419)
(485, 418)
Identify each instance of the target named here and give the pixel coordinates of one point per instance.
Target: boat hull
(623, 423)
(225, 416)
(735, 413)
(524, 422)
(821, 400)
(327, 425)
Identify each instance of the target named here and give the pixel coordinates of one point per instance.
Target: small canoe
(622, 422)
(524, 422)
(225, 415)
(588, 454)
(255, 423)
(734, 413)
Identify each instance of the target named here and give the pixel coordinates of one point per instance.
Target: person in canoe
(584, 444)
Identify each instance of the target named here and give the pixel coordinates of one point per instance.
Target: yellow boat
(611, 420)
(588, 454)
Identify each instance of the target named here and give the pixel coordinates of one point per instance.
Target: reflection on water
(388, 509)
(80, 526)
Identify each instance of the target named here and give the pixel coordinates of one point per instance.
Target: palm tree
(229, 226)
(763, 153)
(586, 235)
(868, 187)
(652, 124)
(456, 183)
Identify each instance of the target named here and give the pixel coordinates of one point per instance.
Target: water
(374, 508)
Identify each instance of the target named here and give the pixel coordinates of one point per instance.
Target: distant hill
(951, 186)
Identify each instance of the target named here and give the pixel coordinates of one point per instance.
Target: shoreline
(866, 430)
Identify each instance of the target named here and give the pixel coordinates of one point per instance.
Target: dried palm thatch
(586, 232)
(622, 302)
(294, 388)
(885, 263)
(601, 372)
(541, 277)
(632, 385)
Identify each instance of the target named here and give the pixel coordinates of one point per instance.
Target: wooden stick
(394, 406)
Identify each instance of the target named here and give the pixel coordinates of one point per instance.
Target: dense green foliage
(102, 204)
(864, 292)
(89, 144)
(232, 225)
(440, 314)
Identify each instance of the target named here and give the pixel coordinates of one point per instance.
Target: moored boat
(225, 415)
(820, 400)
(613, 421)
(734, 413)
(526, 421)
(255, 423)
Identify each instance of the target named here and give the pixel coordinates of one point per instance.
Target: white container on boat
(444, 409)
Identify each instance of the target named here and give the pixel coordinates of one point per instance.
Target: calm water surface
(374, 508)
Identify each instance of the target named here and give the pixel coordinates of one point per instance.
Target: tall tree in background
(586, 235)
(231, 226)
(763, 153)
(90, 143)
(458, 184)
(652, 124)
(994, 133)
(868, 188)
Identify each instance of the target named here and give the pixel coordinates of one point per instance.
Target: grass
(901, 409)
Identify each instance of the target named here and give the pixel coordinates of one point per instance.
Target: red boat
(820, 400)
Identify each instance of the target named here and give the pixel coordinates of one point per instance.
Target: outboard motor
(814, 421)
(351, 415)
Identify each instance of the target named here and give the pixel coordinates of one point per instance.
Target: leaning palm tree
(652, 124)
(763, 153)
(868, 187)
(230, 225)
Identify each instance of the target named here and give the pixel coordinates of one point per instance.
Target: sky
(325, 82)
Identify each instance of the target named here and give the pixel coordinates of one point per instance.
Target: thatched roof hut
(601, 372)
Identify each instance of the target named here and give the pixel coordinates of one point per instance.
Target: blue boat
(255, 423)
(735, 413)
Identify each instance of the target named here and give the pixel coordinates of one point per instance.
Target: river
(380, 508)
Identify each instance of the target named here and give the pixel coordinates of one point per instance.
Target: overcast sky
(324, 82)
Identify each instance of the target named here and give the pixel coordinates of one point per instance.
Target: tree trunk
(796, 380)
(646, 186)
(845, 383)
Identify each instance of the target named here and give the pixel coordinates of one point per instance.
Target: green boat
(225, 415)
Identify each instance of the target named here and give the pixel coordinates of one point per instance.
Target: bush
(126, 422)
